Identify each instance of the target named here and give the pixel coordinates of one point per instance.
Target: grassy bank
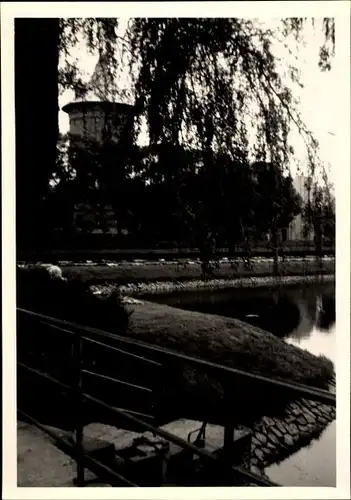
(124, 273)
(228, 342)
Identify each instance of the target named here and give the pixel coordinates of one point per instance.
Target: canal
(302, 315)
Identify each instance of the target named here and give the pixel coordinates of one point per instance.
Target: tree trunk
(319, 244)
(275, 252)
(36, 116)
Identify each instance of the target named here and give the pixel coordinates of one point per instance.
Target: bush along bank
(43, 289)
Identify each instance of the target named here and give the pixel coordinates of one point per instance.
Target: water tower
(99, 115)
(95, 121)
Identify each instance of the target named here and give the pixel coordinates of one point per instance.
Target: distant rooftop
(101, 93)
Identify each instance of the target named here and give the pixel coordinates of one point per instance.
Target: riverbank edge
(167, 287)
(274, 439)
(125, 273)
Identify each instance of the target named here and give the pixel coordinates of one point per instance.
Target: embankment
(166, 287)
(277, 437)
(227, 341)
(126, 273)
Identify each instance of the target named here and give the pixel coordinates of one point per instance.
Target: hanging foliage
(209, 83)
(210, 86)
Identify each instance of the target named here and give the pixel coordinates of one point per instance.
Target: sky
(317, 106)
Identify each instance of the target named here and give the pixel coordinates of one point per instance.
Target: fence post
(77, 406)
(229, 430)
(228, 438)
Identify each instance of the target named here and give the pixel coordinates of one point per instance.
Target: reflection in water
(318, 342)
(326, 316)
(314, 465)
(292, 313)
(316, 332)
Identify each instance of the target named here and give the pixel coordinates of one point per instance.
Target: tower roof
(103, 105)
(102, 95)
(102, 81)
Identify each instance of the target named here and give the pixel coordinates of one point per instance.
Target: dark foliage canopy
(213, 98)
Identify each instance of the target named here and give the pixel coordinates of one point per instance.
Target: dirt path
(39, 462)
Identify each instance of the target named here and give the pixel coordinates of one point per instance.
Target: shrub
(42, 289)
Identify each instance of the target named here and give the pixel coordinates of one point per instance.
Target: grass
(227, 341)
(128, 273)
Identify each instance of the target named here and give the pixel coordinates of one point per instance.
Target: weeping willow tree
(210, 85)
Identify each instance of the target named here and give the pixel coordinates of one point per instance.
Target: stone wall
(162, 287)
(275, 438)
